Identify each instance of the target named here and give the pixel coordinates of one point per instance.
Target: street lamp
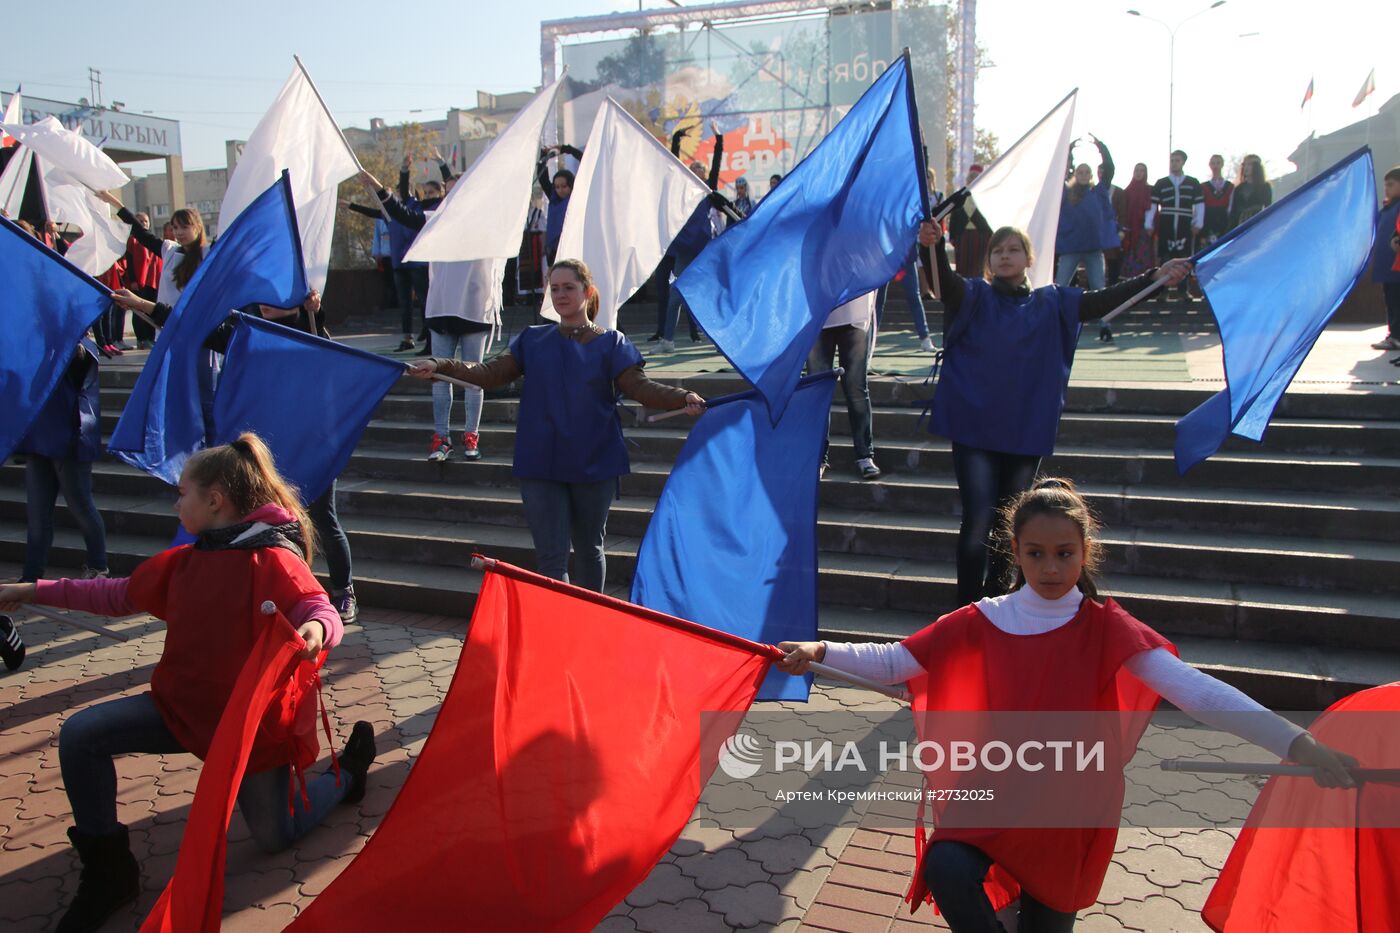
(1171, 81)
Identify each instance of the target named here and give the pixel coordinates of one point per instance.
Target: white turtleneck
(1024, 612)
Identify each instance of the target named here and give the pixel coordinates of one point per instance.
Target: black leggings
(954, 871)
(987, 480)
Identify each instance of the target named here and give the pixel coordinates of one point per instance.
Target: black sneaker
(406, 344)
(356, 758)
(11, 645)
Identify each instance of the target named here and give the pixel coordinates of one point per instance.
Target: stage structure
(772, 77)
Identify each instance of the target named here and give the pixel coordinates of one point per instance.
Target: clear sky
(216, 66)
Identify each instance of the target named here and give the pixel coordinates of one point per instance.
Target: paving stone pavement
(761, 869)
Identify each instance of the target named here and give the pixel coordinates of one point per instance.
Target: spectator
(1383, 264)
(1114, 222)
(1181, 207)
(142, 277)
(1217, 193)
(969, 232)
(743, 203)
(1253, 193)
(383, 255)
(773, 182)
(847, 334)
(1137, 237)
(1083, 208)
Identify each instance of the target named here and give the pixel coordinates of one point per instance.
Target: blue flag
(733, 541)
(257, 260)
(324, 396)
(840, 225)
(1273, 284)
(48, 305)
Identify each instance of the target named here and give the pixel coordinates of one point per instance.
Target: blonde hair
(246, 472)
(1001, 236)
(580, 270)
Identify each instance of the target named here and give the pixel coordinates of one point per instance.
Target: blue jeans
(43, 478)
(953, 872)
(561, 513)
(90, 738)
(987, 481)
(910, 284)
(1069, 262)
(852, 345)
(674, 305)
(335, 546)
(471, 347)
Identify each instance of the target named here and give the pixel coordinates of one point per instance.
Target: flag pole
(73, 620)
(726, 399)
(855, 680)
(329, 115)
(1156, 285)
(448, 379)
(1361, 775)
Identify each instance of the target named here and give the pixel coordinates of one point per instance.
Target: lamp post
(1171, 80)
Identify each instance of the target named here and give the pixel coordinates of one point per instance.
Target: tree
(640, 63)
(354, 232)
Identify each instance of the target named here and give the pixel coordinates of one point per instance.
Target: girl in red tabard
(253, 544)
(1049, 645)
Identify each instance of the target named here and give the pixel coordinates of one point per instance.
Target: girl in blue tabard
(1008, 351)
(569, 450)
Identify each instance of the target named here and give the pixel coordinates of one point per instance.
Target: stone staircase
(1275, 566)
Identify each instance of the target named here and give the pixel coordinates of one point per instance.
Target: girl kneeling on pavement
(569, 450)
(1050, 645)
(253, 544)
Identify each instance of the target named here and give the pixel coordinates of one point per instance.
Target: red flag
(1368, 87)
(1312, 858)
(194, 898)
(565, 761)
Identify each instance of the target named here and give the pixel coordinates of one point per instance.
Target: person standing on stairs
(1001, 387)
(849, 334)
(569, 449)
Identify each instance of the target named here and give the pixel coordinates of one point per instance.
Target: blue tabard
(1006, 367)
(68, 425)
(568, 429)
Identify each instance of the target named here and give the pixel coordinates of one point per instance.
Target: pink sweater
(108, 597)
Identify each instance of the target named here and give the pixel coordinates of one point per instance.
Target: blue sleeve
(623, 356)
(517, 348)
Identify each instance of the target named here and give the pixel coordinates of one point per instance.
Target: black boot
(356, 758)
(111, 879)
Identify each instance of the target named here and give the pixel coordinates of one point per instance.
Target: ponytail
(247, 473)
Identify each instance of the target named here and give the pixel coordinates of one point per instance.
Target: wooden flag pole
(1156, 285)
(448, 379)
(726, 399)
(855, 680)
(75, 621)
(1361, 775)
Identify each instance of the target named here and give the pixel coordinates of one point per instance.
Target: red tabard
(971, 665)
(210, 601)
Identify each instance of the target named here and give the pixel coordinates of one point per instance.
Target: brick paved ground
(767, 868)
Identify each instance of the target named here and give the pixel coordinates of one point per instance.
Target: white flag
(103, 239)
(630, 200)
(15, 180)
(1022, 188)
(483, 216)
(14, 114)
(60, 148)
(296, 134)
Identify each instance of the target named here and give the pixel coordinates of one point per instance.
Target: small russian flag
(1307, 95)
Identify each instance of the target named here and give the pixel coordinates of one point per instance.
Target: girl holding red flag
(1053, 646)
(253, 545)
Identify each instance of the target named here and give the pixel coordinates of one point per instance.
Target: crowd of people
(1007, 352)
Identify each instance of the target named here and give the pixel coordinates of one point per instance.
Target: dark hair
(1180, 152)
(194, 253)
(433, 186)
(1057, 498)
(1259, 175)
(580, 270)
(1393, 174)
(246, 472)
(1001, 235)
(566, 175)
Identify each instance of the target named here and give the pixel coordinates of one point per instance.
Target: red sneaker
(469, 448)
(440, 449)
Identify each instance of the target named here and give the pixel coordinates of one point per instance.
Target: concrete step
(1188, 604)
(902, 392)
(1110, 430)
(1280, 675)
